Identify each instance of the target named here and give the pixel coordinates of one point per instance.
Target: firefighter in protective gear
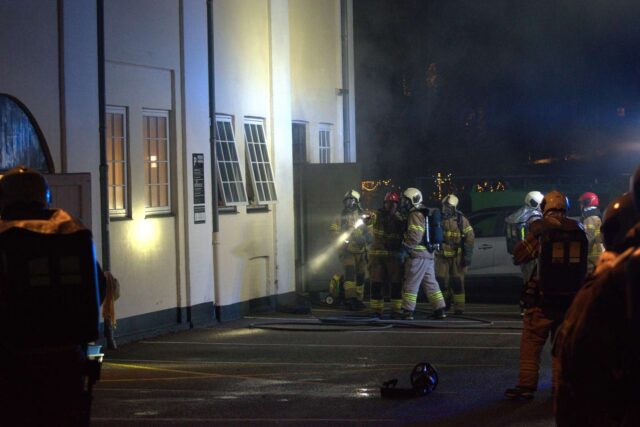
(544, 310)
(518, 224)
(350, 227)
(453, 260)
(517, 227)
(45, 376)
(385, 269)
(599, 366)
(592, 221)
(418, 259)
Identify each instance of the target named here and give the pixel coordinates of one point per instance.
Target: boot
(108, 334)
(438, 314)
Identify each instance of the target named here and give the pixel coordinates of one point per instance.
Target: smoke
(515, 79)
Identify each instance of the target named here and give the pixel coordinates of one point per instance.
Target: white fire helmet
(451, 200)
(352, 194)
(414, 195)
(533, 199)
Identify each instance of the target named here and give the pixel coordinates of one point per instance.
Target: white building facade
(183, 258)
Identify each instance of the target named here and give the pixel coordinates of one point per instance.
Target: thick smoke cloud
(515, 81)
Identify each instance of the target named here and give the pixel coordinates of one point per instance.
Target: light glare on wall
(146, 234)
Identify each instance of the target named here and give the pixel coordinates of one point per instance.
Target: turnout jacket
(592, 222)
(458, 237)
(413, 239)
(386, 230)
(357, 237)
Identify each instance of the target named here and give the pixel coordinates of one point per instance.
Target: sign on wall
(199, 211)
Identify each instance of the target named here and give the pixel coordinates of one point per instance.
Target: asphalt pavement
(323, 369)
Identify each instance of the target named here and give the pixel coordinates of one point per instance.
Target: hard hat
(352, 194)
(589, 199)
(451, 200)
(392, 196)
(533, 199)
(554, 200)
(414, 195)
(619, 217)
(22, 185)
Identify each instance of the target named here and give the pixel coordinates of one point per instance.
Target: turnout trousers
(419, 271)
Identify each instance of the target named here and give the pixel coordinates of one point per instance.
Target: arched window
(21, 141)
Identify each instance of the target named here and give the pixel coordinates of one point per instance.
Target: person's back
(48, 306)
(559, 244)
(596, 344)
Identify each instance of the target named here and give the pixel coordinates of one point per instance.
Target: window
(264, 190)
(116, 138)
(21, 141)
(156, 161)
(299, 140)
(229, 174)
(325, 144)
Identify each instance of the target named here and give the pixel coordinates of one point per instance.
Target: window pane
(162, 150)
(119, 198)
(118, 174)
(164, 195)
(162, 175)
(162, 127)
(229, 131)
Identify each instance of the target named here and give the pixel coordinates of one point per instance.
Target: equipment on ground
(423, 378)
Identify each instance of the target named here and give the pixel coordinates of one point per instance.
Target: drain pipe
(344, 36)
(214, 160)
(104, 169)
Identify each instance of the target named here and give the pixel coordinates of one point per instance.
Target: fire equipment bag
(562, 262)
(48, 281)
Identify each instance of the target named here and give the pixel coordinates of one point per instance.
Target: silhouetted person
(48, 307)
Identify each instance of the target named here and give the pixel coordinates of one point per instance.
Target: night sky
(495, 87)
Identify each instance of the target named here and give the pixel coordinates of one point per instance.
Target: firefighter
(453, 260)
(385, 269)
(350, 227)
(418, 259)
(560, 245)
(595, 345)
(592, 220)
(48, 310)
(517, 227)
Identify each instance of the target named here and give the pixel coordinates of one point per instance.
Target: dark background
(496, 87)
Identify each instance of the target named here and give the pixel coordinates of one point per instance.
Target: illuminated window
(324, 143)
(156, 161)
(263, 186)
(116, 138)
(229, 174)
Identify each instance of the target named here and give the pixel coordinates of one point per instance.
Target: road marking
(232, 344)
(277, 421)
(356, 365)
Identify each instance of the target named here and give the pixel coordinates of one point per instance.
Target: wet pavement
(282, 369)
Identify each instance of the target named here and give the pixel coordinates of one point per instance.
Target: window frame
(157, 210)
(238, 181)
(258, 163)
(123, 212)
(324, 145)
